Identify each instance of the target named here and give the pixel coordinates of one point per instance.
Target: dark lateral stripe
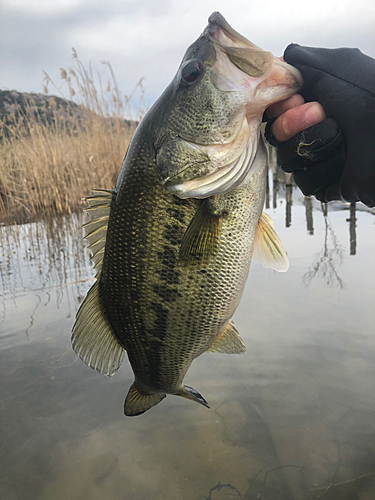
(166, 290)
(166, 293)
(125, 277)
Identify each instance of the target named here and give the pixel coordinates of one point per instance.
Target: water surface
(293, 418)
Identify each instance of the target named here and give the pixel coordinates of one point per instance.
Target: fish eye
(191, 72)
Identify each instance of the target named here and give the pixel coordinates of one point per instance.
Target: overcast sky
(146, 38)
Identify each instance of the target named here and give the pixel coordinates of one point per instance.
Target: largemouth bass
(173, 241)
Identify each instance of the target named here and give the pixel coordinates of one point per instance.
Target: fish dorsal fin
(268, 249)
(96, 229)
(93, 339)
(228, 342)
(202, 236)
(137, 403)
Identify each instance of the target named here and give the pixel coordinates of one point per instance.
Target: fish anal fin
(202, 236)
(228, 342)
(137, 403)
(93, 339)
(268, 249)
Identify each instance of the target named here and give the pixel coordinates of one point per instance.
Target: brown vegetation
(50, 160)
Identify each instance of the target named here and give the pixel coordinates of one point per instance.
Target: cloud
(148, 39)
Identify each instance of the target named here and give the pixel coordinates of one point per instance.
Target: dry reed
(47, 166)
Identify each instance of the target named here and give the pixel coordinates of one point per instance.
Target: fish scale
(172, 339)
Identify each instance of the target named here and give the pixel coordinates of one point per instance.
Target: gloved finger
(358, 178)
(329, 193)
(312, 61)
(316, 156)
(311, 145)
(334, 192)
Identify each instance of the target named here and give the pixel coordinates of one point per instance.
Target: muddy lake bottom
(293, 418)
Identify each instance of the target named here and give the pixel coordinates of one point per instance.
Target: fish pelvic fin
(93, 339)
(202, 236)
(268, 249)
(137, 403)
(190, 393)
(228, 341)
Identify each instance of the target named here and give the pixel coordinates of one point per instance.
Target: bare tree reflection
(258, 485)
(314, 491)
(327, 261)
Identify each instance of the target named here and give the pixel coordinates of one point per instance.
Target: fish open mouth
(249, 58)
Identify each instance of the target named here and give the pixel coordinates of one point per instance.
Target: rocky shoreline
(19, 110)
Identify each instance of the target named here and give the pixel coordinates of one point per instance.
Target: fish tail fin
(137, 403)
(190, 393)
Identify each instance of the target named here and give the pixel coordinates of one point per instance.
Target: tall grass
(48, 165)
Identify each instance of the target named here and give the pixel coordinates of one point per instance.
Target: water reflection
(43, 266)
(328, 260)
(293, 419)
(40, 255)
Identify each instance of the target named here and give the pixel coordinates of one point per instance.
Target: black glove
(335, 159)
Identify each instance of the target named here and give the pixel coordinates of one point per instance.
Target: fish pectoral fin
(93, 339)
(268, 249)
(202, 236)
(228, 342)
(190, 393)
(137, 403)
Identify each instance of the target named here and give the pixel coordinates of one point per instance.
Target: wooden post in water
(274, 186)
(324, 208)
(309, 215)
(352, 229)
(268, 189)
(289, 199)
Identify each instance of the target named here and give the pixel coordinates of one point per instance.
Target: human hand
(327, 160)
(293, 115)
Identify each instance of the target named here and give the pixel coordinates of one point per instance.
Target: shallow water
(293, 418)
